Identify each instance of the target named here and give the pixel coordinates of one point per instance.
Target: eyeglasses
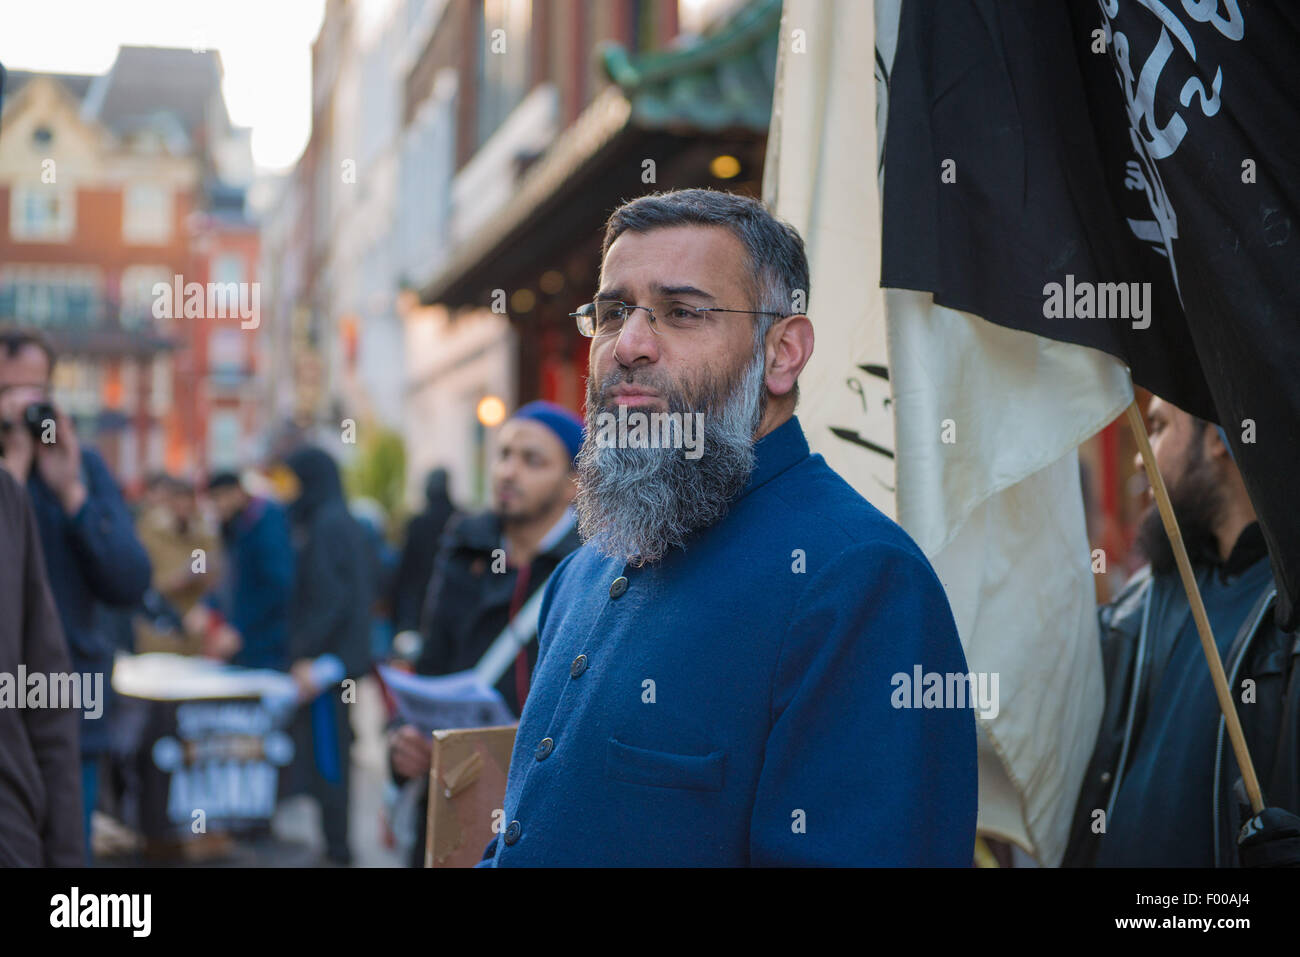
(605, 317)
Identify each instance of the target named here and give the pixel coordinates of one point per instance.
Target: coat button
(618, 587)
(513, 830)
(578, 667)
(544, 748)
(1105, 777)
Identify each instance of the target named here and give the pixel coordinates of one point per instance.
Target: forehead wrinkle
(637, 264)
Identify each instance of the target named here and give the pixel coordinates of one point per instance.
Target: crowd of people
(235, 574)
(692, 695)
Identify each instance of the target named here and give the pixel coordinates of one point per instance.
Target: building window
(227, 355)
(42, 213)
(137, 297)
(51, 296)
(146, 214)
(228, 268)
(223, 440)
(160, 388)
(75, 383)
(322, 182)
(504, 61)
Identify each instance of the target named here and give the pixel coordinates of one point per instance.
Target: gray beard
(634, 504)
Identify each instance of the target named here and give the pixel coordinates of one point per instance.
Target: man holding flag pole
(1159, 724)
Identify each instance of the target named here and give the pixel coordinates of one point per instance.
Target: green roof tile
(722, 81)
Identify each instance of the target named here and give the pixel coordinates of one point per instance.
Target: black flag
(1121, 174)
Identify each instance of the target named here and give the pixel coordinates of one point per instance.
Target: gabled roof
(75, 83)
(146, 81)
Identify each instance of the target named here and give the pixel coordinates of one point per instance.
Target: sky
(265, 48)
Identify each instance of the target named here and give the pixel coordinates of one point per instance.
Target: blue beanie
(566, 426)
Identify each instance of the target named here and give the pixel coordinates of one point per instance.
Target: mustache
(702, 396)
(598, 394)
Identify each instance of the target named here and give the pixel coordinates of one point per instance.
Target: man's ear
(1214, 447)
(789, 347)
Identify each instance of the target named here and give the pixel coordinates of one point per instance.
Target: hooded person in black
(422, 535)
(330, 617)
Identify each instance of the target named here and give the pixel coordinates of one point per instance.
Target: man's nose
(504, 468)
(637, 342)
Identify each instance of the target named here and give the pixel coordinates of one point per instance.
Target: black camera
(36, 416)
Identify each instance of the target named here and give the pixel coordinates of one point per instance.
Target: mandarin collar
(782, 448)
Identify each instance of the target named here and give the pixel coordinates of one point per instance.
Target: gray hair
(777, 267)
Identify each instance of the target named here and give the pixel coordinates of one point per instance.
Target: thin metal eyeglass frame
(579, 316)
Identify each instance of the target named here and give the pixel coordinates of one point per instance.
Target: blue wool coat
(257, 584)
(91, 557)
(735, 704)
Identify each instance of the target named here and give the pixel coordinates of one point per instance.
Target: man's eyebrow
(681, 291)
(620, 295)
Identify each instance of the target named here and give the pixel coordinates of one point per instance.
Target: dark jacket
(468, 603)
(40, 775)
(468, 606)
(419, 551)
(257, 584)
(93, 556)
(333, 590)
(1138, 630)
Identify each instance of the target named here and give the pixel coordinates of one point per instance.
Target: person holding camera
(90, 546)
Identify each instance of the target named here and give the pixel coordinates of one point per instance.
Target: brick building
(110, 185)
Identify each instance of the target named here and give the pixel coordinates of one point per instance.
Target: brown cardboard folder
(466, 786)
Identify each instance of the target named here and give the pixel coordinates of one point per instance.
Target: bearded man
(1163, 788)
(716, 677)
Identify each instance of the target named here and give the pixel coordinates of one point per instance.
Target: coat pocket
(663, 769)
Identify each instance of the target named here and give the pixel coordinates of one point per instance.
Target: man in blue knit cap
(488, 565)
(727, 668)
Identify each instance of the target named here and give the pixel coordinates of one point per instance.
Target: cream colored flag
(818, 177)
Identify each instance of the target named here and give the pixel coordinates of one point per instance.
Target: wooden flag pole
(1211, 650)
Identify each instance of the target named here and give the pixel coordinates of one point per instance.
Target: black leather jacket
(1259, 651)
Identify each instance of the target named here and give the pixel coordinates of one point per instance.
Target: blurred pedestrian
(383, 567)
(245, 618)
(40, 789)
(490, 564)
(90, 546)
(329, 638)
(415, 568)
(183, 550)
